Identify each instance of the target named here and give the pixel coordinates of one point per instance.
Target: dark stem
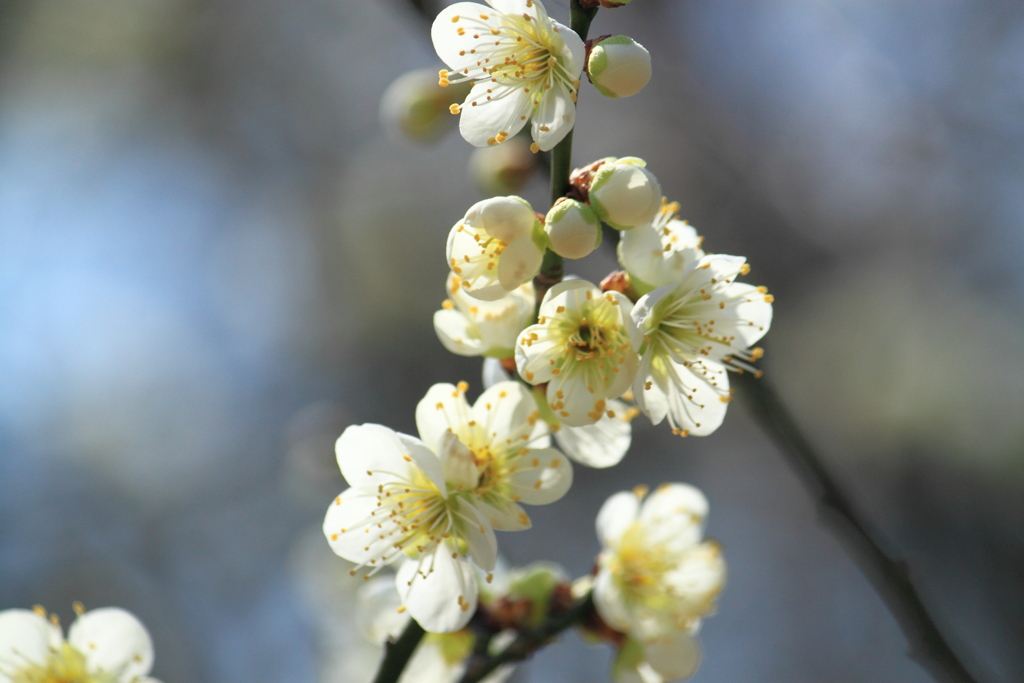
(398, 653)
(529, 642)
(561, 164)
(888, 575)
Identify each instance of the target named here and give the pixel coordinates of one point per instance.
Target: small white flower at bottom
(656, 576)
(106, 645)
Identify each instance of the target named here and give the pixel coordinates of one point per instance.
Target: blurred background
(214, 257)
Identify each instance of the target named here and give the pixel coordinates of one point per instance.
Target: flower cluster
(567, 366)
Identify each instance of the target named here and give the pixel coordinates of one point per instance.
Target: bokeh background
(213, 258)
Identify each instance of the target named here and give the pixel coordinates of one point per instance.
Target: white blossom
(661, 252)
(105, 645)
(693, 330)
(618, 66)
(573, 228)
(583, 348)
(656, 579)
(624, 193)
(496, 247)
(400, 509)
(523, 65)
(500, 447)
(471, 327)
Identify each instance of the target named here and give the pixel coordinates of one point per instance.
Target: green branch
(888, 575)
(398, 653)
(552, 267)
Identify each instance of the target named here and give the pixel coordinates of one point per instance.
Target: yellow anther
(455, 109)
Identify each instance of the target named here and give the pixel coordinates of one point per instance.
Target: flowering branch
(888, 575)
(398, 653)
(528, 642)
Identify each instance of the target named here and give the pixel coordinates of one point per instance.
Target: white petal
(610, 602)
(697, 396)
(443, 407)
(544, 482)
(25, 637)
(674, 659)
(578, 407)
(447, 41)
(479, 536)
(457, 333)
(562, 294)
(518, 263)
(113, 641)
(431, 587)
(511, 404)
(504, 514)
(493, 373)
(649, 391)
(616, 516)
(642, 253)
(602, 444)
(675, 514)
(348, 531)
(510, 6)
(533, 356)
(371, 454)
(554, 117)
(486, 115)
(504, 218)
(698, 579)
(574, 52)
(747, 314)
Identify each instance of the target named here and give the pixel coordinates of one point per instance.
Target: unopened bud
(503, 169)
(624, 193)
(619, 66)
(573, 228)
(416, 107)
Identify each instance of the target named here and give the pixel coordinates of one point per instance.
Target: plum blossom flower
(523, 65)
(471, 327)
(106, 645)
(583, 348)
(661, 252)
(656, 579)
(694, 330)
(496, 247)
(400, 508)
(501, 446)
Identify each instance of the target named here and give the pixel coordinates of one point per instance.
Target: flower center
(63, 665)
(640, 567)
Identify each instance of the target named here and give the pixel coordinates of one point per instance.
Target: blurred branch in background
(889, 576)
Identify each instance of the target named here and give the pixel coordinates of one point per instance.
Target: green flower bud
(416, 107)
(573, 228)
(619, 66)
(624, 193)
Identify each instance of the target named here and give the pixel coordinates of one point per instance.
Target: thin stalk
(398, 653)
(888, 575)
(529, 642)
(552, 267)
